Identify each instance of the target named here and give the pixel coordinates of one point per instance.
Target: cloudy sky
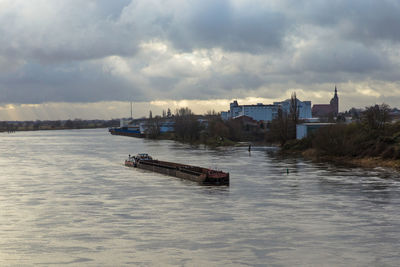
(63, 59)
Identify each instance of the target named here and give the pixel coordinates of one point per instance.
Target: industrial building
(261, 112)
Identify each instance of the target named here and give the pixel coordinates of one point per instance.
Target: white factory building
(261, 112)
(304, 108)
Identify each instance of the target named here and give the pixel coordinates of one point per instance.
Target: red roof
(321, 110)
(246, 120)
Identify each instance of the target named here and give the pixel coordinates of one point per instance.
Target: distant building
(304, 129)
(225, 115)
(167, 126)
(246, 120)
(261, 112)
(303, 106)
(164, 126)
(394, 115)
(327, 110)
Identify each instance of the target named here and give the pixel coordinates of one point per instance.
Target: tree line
(12, 126)
(210, 129)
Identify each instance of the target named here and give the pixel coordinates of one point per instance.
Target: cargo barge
(126, 131)
(128, 127)
(200, 175)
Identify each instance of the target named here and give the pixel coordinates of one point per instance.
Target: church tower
(335, 103)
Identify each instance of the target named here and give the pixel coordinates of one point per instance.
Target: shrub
(389, 153)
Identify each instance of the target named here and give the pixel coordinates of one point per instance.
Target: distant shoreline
(19, 126)
(49, 129)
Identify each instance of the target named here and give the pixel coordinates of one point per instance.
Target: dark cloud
(368, 21)
(210, 24)
(216, 86)
(58, 31)
(39, 84)
(347, 57)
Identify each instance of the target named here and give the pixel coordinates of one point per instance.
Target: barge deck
(200, 175)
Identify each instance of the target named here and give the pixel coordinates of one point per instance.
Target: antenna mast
(131, 111)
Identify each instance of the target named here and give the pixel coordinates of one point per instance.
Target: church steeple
(335, 103)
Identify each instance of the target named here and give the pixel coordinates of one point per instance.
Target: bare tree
(279, 128)
(153, 130)
(294, 108)
(187, 127)
(375, 117)
(293, 116)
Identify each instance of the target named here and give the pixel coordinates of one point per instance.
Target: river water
(67, 199)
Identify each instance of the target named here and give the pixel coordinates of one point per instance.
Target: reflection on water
(67, 199)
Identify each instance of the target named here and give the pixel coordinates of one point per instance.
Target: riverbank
(209, 142)
(360, 144)
(17, 126)
(23, 129)
(364, 162)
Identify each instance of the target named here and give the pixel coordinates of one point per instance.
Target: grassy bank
(366, 162)
(214, 141)
(359, 144)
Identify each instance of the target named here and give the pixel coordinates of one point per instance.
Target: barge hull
(172, 171)
(200, 175)
(125, 133)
